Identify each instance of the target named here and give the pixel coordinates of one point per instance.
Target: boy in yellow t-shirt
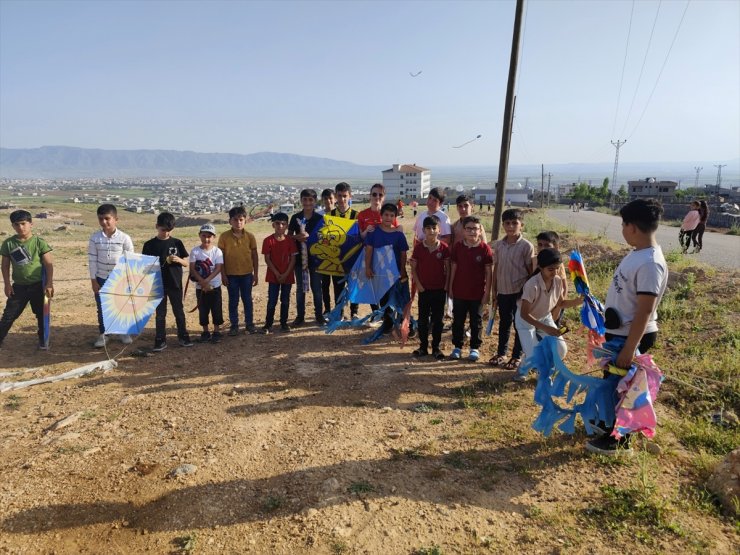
(241, 268)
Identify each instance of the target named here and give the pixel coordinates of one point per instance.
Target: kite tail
(398, 298)
(334, 317)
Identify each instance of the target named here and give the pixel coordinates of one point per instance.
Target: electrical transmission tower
(696, 181)
(719, 176)
(616, 166)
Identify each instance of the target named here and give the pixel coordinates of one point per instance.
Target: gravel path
(721, 251)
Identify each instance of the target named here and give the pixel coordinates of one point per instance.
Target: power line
(642, 69)
(675, 35)
(624, 64)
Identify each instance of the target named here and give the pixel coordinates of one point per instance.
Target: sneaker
(159, 345)
(609, 446)
(100, 341)
(321, 321)
(438, 355)
(284, 327)
(297, 323)
(456, 354)
(250, 329)
(353, 316)
(205, 337)
(125, 339)
(264, 330)
(420, 352)
(216, 337)
(184, 341)
(519, 378)
(43, 347)
(233, 331)
(474, 355)
(412, 333)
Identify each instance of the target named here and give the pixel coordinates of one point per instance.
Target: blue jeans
(300, 294)
(240, 286)
(101, 325)
(273, 291)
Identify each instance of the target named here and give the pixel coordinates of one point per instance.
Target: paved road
(721, 251)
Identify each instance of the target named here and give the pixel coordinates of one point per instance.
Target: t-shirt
(237, 252)
(444, 224)
(103, 252)
(205, 262)
(541, 299)
(350, 214)
(513, 264)
(641, 272)
(294, 228)
(430, 265)
(171, 273)
(381, 238)
(470, 274)
(25, 258)
(691, 220)
(280, 253)
(369, 217)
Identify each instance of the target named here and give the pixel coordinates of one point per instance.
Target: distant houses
(407, 181)
(650, 187)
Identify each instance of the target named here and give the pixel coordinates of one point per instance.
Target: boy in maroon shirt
(430, 268)
(470, 287)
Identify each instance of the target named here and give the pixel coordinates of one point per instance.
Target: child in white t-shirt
(542, 298)
(206, 264)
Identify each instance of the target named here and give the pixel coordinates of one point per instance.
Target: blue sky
(332, 79)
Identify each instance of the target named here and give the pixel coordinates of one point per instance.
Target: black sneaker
(233, 331)
(412, 333)
(353, 316)
(184, 341)
(216, 337)
(284, 327)
(321, 321)
(205, 337)
(251, 329)
(159, 345)
(609, 446)
(297, 323)
(265, 330)
(420, 352)
(438, 355)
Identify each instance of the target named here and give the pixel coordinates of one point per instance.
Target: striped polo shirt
(513, 264)
(103, 252)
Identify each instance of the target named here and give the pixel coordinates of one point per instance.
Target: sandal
(512, 364)
(497, 360)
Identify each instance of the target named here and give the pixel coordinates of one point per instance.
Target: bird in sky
(468, 142)
(415, 74)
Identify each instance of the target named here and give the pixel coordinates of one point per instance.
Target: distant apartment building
(513, 196)
(652, 188)
(407, 181)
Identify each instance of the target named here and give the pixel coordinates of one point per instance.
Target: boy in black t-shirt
(173, 258)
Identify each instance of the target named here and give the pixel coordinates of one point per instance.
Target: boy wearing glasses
(370, 218)
(470, 287)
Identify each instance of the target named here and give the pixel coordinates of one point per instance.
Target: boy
(343, 195)
(514, 264)
(470, 287)
(327, 202)
(30, 256)
(103, 251)
(632, 300)
(387, 234)
(280, 256)
(327, 206)
(551, 240)
(435, 200)
(430, 269)
(241, 268)
(172, 258)
(464, 209)
(206, 264)
(300, 227)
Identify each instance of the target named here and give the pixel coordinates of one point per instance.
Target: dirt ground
(299, 442)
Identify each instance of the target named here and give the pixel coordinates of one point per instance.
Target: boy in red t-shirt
(280, 252)
(470, 287)
(430, 268)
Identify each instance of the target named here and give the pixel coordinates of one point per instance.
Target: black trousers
(431, 309)
(698, 234)
(462, 309)
(340, 283)
(506, 313)
(22, 295)
(210, 304)
(175, 298)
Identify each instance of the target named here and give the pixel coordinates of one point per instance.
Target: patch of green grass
(360, 487)
(702, 435)
(87, 415)
(435, 421)
(272, 503)
(339, 547)
(734, 230)
(425, 407)
(185, 544)
(13, 402)
(432, 550)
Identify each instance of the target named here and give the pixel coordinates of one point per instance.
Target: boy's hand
(95, 285)
(370, 228)
(551, 330)
(624, 359)
(369, 273)
(224, 280)
(420, 287)
(49, 290)
(9, 290)
(255, 279)
(302, 236)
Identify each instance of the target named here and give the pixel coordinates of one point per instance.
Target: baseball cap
(207, 228)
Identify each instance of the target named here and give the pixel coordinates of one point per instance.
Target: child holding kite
(172, 258)
(103, 251)
(280, 255)
(30, 257)
(206, 265)
(551, 240)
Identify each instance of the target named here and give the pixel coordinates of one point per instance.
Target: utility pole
(549, 176)
(697, 169)
(542, 190)
(616, 166)
(719, 176)
(503, 165)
